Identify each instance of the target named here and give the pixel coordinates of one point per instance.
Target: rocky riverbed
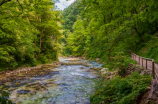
(69, 82)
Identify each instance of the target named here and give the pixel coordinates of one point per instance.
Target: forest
(109, 30)
(34, 32)
(29, 33)
(103, 29)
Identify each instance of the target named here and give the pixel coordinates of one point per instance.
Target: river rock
(104, 70)
(82, 68)
(23, 91)
(40, 96)
(33, 93)
(109, 74)
(97, 59)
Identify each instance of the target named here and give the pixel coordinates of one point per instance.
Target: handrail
(143, 57)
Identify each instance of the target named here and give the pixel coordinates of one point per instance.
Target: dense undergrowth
(121, 90)
(150, 50)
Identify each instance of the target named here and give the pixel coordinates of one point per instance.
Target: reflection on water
(68, 84)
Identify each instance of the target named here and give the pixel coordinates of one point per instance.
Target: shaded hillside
(70, 15)
(110, 27)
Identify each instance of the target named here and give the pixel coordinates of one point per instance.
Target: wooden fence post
(153, 69)
(142, 61)
(132, 55)
(146, 63)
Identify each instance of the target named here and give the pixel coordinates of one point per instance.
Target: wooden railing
(147, 63)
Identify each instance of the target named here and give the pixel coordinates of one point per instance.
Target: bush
(120, 61)
(4, 96)
(121, 90)
(44, 58)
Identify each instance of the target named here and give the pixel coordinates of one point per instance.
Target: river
(66, 84)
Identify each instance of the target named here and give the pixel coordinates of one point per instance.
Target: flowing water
(66, 84)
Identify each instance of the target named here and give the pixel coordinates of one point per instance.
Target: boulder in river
(82, 67)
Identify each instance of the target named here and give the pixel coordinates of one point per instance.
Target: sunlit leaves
(21, 28)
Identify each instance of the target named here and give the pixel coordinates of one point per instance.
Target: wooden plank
(153, 69)
(156, 67)
(149, 66)
(147, 58)
(146, 64)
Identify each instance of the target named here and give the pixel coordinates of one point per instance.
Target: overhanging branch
(4, 1)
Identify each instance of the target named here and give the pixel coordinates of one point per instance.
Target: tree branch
(21, 7)
(138, 33)
(4, 1)
(19, 13)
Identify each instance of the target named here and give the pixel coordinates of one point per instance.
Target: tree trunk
(40, 44)
(139, 34)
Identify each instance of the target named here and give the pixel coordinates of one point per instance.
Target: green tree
(29, 32)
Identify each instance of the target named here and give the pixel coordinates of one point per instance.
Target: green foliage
(120, 61)
(121, 90)
(70, 15)
(76, 41)
(108, 27)
(150, 50)
(28, 30)
(4, 96)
